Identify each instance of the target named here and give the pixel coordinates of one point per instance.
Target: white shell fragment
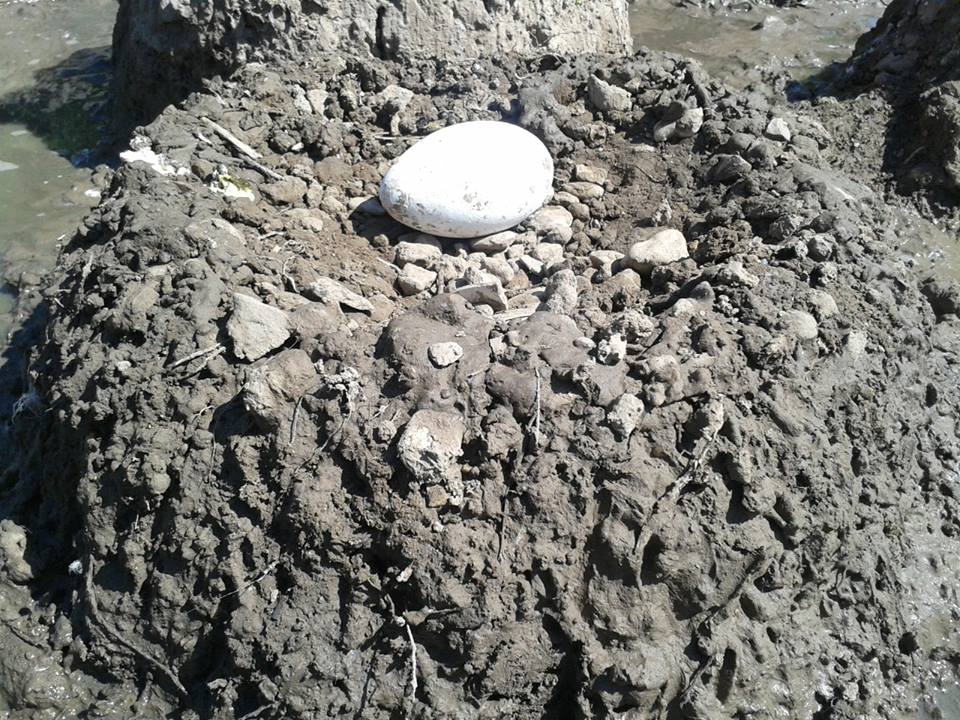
(469, 180)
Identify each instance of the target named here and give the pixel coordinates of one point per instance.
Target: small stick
(264, 169)
(296, 417)
(239, 591)
(413, 661)
(218, 348)
(232, 139)
(536, 420)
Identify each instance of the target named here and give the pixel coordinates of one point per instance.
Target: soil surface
(253, 478)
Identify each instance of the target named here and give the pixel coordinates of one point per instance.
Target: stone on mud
(430, 448)
(624, 414)
(255, 327)
(414, 279)
(273, 389)
(608, 98)
(663, 247)
(329, 290)
(444, 353)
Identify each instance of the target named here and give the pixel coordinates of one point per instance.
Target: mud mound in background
(163, 50)
(717, 487)
(912, 58)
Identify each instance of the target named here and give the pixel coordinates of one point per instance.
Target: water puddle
(54, 66)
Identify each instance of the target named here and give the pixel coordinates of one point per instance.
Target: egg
(469, 180)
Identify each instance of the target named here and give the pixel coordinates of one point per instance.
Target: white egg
(469, 180)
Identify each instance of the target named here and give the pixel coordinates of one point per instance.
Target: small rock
(256, 328)
(499, 268)
(430, 448)
(329, 290)
(820, 247)
(856, 343)
(605, 259)
(317, 97)
(822, 304)
(732, 274)
(414, 279)
(584, 190)
(777, 129)
(552, 222)
(272, 389)
(548, 253)
(799, 324)
(13, 547)
(595, 175)
(612, 350)
(729, 168)
(585, 343)
(608, 98)
(417, 253)
(490, 294)
(624, 414)
(678, 122)
(663, 247)
(493, 244)
(562, 293)
(444, 353)
(532, 265)
(288, 191)
(437, 496)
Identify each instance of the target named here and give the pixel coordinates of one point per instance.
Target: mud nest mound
(250, 485)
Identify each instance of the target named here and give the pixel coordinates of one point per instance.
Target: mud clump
(705, 482)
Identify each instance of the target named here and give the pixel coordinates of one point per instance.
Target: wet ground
(53, 67)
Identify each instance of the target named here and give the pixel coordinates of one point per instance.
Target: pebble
(369, 205)
(589, 174)
(444, 353)
(663, 247)
(624, 414)
(548, 253)
(417, 253)
(256, 328)
(584, 190)
(729, 168)
(678, 122)
(585, 343)
(605, 260)
(488, 294)
(562, 293)
(430, 447)
(414, 279)
(612, 350)
(777, 129)
(331, 291)
(553, 222)
(493, 244)
(499, 268)
(532, 265)
(799, 324)
(822, 303)
(608, 98)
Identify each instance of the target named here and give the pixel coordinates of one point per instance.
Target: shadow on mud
(67, 105)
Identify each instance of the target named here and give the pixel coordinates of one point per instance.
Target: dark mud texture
(724, 486)
(912, 60)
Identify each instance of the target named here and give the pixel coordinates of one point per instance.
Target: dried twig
(240, 590)
(232, 139)
(536, 418)
(218, 348)
(296, 417)
(118, 639)
(413, 658)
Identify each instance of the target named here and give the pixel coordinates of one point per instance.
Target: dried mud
(206, 536)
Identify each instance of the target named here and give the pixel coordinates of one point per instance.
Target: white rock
(663, 247)
(584, 190)
(548, 253)
(329, 290)
(590, 174)
(422, 254)
(8, 166)
(492, 244)
(367, 206)
(624, 414)
(317, 97)
(553, 223)
(605, 259)
(562, 293)
(255, 327)
(800, 324)
(414, 279)
(469, 179)
(430, 448)
(777, 129)
(499, 268)
(612, 350)
(444, 353)
(158, 163)
(490, 294)
(607, 97)
(532, 265)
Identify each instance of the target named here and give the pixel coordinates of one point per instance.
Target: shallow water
(53, 70)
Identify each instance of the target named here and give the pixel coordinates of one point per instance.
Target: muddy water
(54, 61)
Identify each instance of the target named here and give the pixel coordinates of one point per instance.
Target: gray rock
(678, 122)
(499, 268)
(256, 328)
(562, 293)
(493, 244)
(414, 279)
(532, 265)
(417, 253)
(605, 259)
(430, 448)
(329, 290)
(272, 389)
(369, 205)
(612, 350)
(490, 293)
(661, 248)
(624, 414)
(444, 353)
(584, 190)
(595, 175)
(288, 191)
(549, 254)
(608, 98)
(777, 129)
(799, 324)
(729, 168)
(553, 223)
